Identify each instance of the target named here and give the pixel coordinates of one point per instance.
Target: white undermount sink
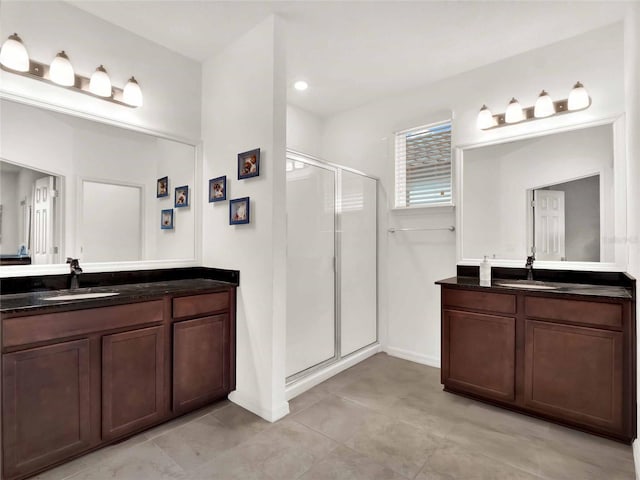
(528, 285)
(81, 296)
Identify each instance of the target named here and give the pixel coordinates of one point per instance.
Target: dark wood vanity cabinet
(481, 353)
(133, 377)
(74, 381)
(201, 353)
(567, 359)
(46, 406)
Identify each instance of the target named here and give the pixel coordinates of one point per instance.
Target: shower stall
(331, 264)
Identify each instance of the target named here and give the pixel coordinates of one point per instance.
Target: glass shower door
(311, 245)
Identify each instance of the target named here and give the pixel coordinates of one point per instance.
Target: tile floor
(385, 418)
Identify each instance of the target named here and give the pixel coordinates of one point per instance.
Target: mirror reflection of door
(111, 222)
(30, 210)
(548, 224)
(43, 197)
(567, 220)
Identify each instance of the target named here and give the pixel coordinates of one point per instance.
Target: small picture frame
(166, 219)
(249, 164)
(162, 189)
(239, 211)
(182, 197)
(218, 189)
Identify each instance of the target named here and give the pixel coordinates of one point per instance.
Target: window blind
(423, 165)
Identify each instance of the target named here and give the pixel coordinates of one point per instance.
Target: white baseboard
(300, 386)
(413, 356)
(270, 415)
(636, 457)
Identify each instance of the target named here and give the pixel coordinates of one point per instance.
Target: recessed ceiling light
(301, 85)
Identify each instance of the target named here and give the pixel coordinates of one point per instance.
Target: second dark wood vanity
(79, 375)
(566, 353)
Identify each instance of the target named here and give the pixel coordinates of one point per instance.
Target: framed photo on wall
(166, 219)
(218, 189)
(239, 211)
(182, 197)
(249, 164)
(163, 187)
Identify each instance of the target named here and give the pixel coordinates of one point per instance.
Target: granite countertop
(127, 293)
(561, 288)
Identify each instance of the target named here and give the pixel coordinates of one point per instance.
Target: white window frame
(400, 168)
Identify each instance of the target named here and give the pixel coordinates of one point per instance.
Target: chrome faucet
(74, 266)
(529, 267)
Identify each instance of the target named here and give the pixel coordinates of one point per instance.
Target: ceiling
(354, 52)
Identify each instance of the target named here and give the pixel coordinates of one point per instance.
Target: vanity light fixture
(301, 85)
(15, 59)
(61, 70)
(545, 107)
(514, 113)
(13, 54)
(132, 94)
(578, 98)
(100, 83)
(485, 118)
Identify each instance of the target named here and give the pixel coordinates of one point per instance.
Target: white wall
(170, 82)
(244, 107)
(363, 138)
(304, 131)
(632, 92)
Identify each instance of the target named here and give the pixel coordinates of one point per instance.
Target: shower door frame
(337, 270)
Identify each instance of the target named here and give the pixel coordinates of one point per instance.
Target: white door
(42, 250)
(311, 319)
(549, 228)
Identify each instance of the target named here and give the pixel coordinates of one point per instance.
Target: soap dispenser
(485, 273)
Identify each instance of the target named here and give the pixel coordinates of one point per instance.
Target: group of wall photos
(239, 208)
(180, 200)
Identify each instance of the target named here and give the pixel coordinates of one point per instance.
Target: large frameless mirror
(74, 187)
(554, 196)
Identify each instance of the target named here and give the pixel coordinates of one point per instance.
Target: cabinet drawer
(608, 315)
(485, 301)
(39, 328)
(194, 305)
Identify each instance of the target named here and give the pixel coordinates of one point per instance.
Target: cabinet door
(132, 380)
(200, 361)
(46, 396)
(574, 373)
(478, 354)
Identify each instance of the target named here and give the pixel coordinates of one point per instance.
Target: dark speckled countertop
(127, 293)
(584, 289)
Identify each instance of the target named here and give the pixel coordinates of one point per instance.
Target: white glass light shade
(514, 113)
(100, 83)
(579, 97)
(132, 95)
(14, 55)
(61, 70)
(301, 85)
(544, 106)
(485, 118)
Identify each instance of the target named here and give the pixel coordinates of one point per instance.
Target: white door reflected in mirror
(112, 222)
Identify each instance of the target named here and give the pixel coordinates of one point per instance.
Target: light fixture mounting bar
(40, 71)
(561, 107)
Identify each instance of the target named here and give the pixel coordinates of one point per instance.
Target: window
(423, 166)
